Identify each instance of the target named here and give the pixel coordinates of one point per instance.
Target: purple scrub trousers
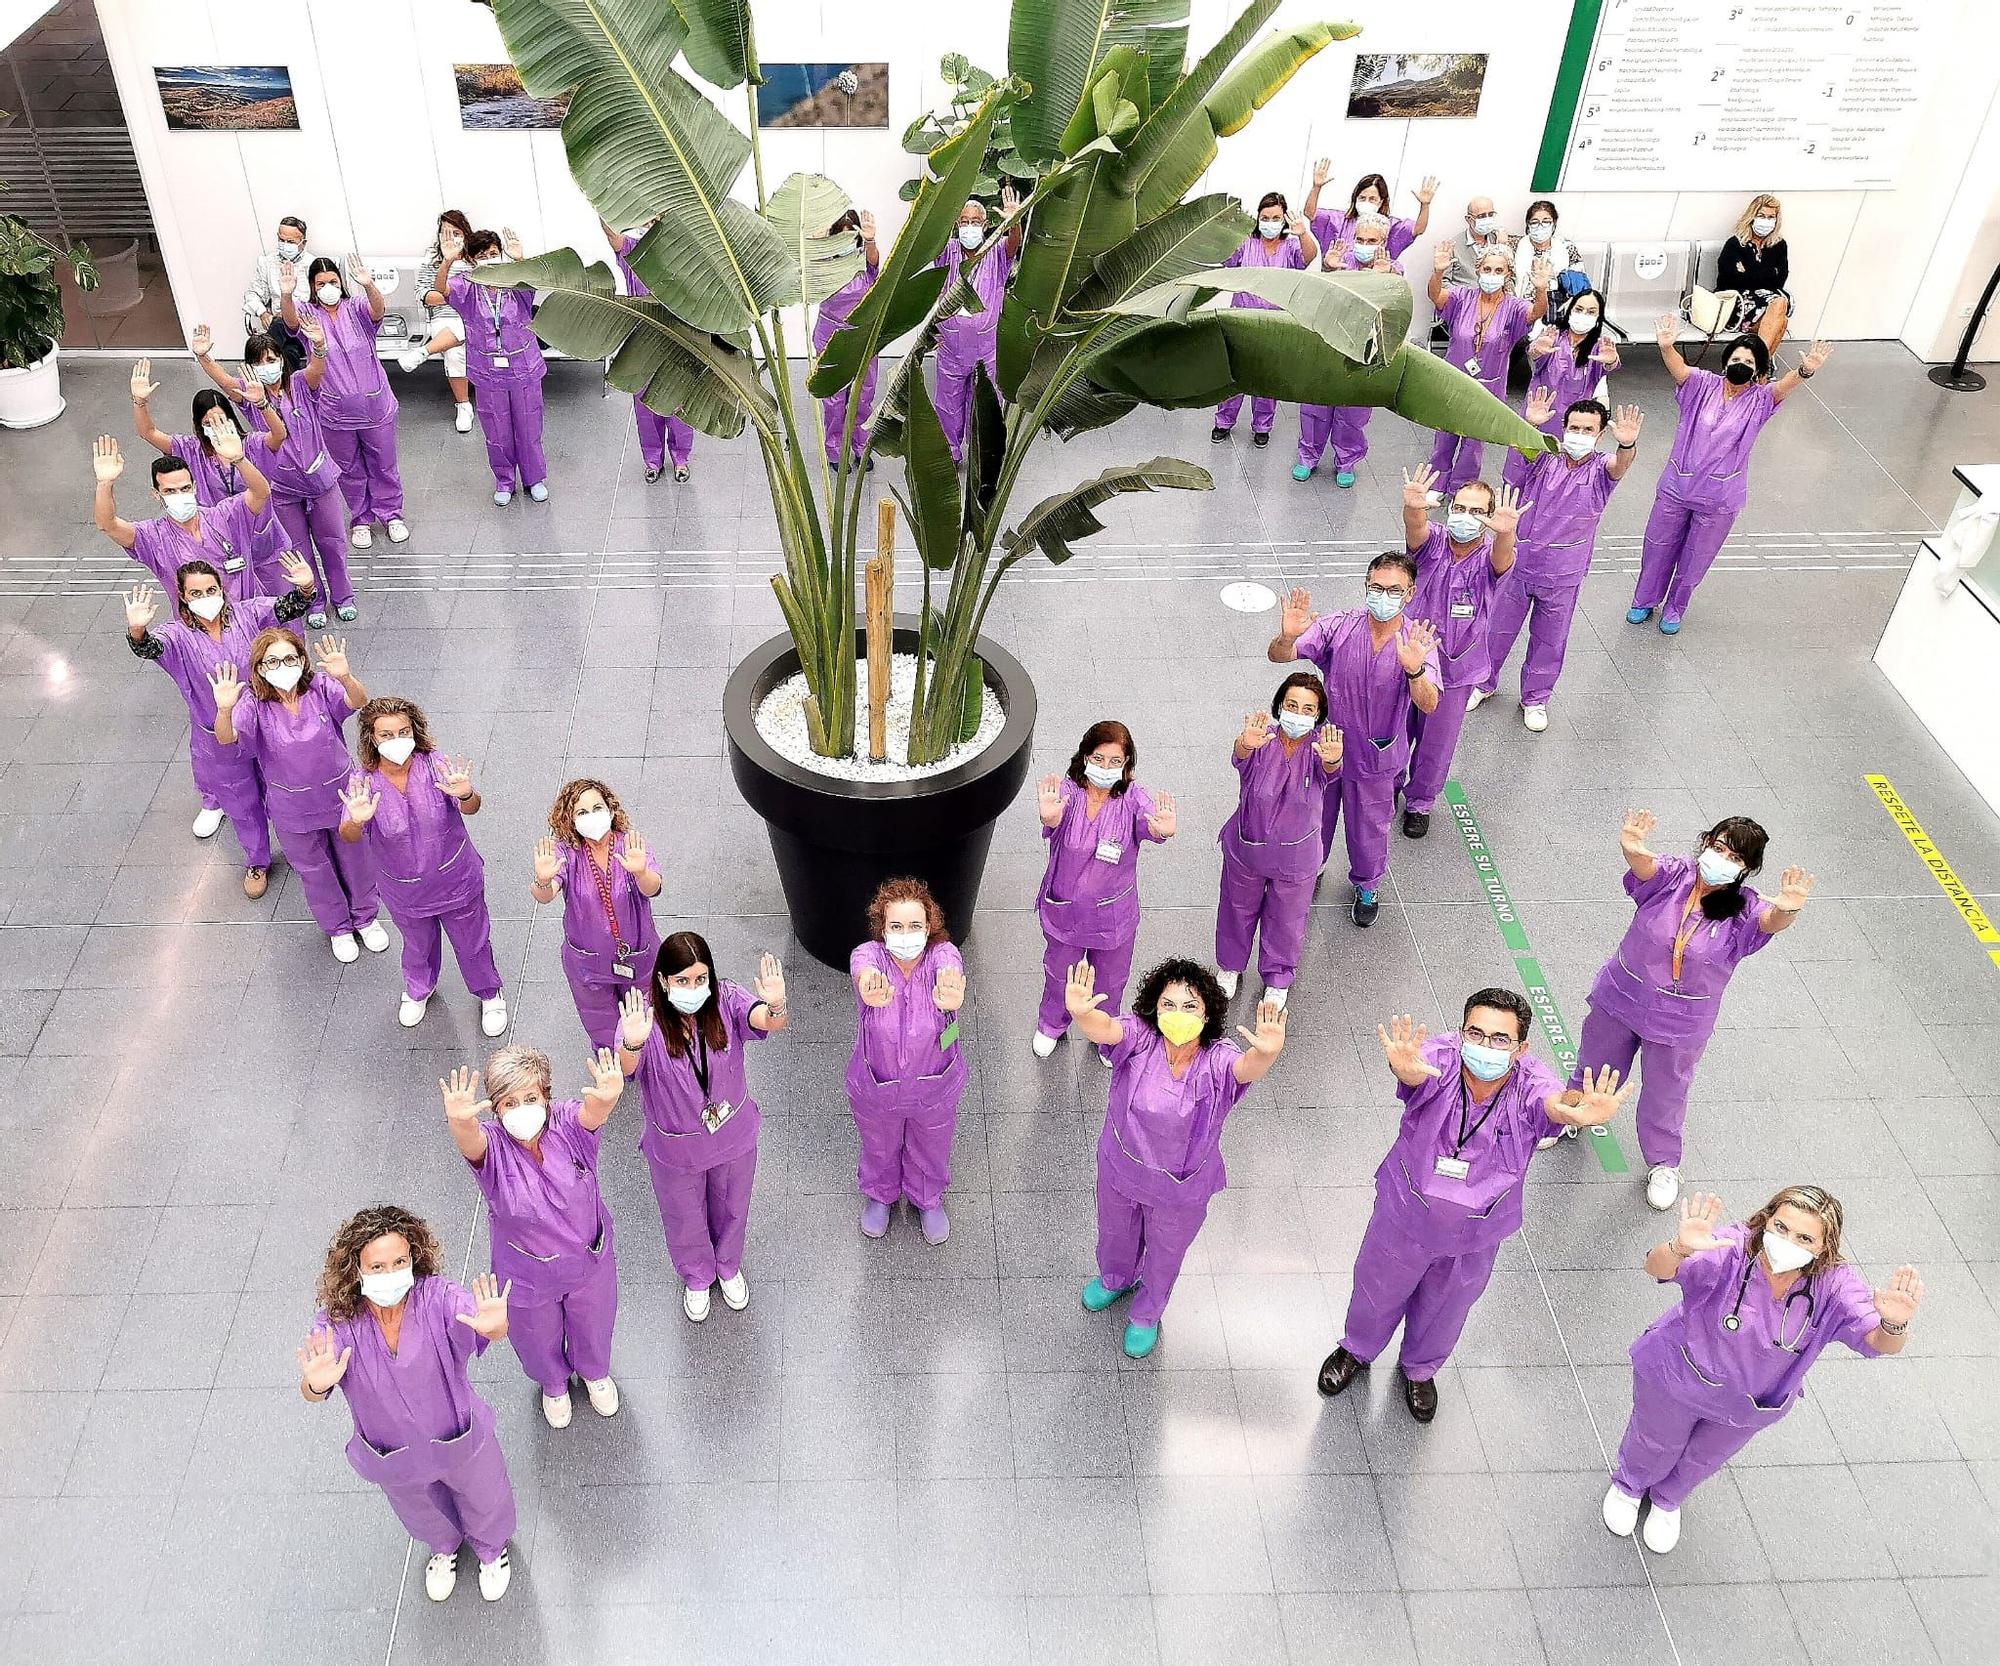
(1455, 593)
(834, 312)
(1089, 899)
(590, 951)
(503, 361)
(1271, 851)
(659, 436)
(1482, 351)
(1552, 554)
(1343, 427)
(904, 1080)
(357, 412)
(305, 494)
(431, 879)
(967, 340)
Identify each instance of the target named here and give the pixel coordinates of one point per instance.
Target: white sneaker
(695, 1304)
(493, 1016)
(400, 534)
(1044, 1045)
(539, 491)
(1621, 1514)
(206, 821)
(345, 949)
(556, 1410)
(411, 1013)
(1277, 997)
(736, 1292)
(502, 499)
(1535, 718)
(374, 936)
(1228, 981)
(1477, 698)
(412, 357)
(361, 538)
(441, 1575)
(463, 420)
(1663, 1186)
(1548, 1140)
(494, 1576)
(1663, 1530)
(603, 1396)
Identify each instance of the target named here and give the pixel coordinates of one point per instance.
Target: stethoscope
(1732, 1321)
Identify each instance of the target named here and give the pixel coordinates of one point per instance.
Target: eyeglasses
(1479, 1038)
(1385, 590)
(288, 663)
(1115, 760)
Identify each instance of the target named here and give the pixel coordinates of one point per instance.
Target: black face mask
(1739, 372)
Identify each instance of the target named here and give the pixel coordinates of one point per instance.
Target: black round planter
(835, 841)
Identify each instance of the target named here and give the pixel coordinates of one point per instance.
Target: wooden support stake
(881, 603)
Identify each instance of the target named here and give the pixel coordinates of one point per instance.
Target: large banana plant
(1117, 300)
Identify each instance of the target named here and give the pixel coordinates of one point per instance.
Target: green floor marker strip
(1541, 997)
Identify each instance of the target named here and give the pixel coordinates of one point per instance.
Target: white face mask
(284, 678)
(905, 945)
(207, 607)
(1296, 725)
(1785, 1255)
(1717, 869)
(593, 824)
(1483, 224)
(1764, 225)
(1582, 323)
(1540, 231)
(1367, 206)
(970, 237)
(688, 1000)
(294, 252)
(328, 294)
(1579, 445)
(1462, 526)
(397, 749)
(268, 372)
(525, 1121)
(181, 505)
(1104, 778)
(1491, 283)
(1269, 227)
(489, 260)
(387, 1289)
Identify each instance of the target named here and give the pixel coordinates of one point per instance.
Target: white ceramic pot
(31, 396)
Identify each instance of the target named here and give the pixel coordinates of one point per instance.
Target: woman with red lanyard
(1485, 324)
(608, 881)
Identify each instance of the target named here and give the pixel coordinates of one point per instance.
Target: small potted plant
(31, 321)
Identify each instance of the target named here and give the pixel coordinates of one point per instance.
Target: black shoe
(868, 467)
(653, 475)
(1260, 440)
(1416, 823)
(1366, 907)
(1338, 1370)
(1218, 436)
(1421, 1398)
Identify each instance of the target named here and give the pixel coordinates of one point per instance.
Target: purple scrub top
(1489, 350)
(1163, 1137)
(189, 654)
(353, 389)
(1569, 381)
(1745, 1376)
(1710, 459)
(1275, 828)
(1090, 889)
(549, 1219)
(214, 481)
(420, 1393)
(976, 330)
(229, 541)
(303, 754)
(838, 307)
(897, 1047)
(1558, 534)
(425, 861)
(1254, 251)
(1636, 985)
(1367, 695)
(1331, 228)
(672, 1134)
(302, 467)
(1455, 593)
(1485, 1207)
(588, 950)
(621, 251)
(498, 324)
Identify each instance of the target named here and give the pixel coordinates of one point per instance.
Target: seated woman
(1756, 264)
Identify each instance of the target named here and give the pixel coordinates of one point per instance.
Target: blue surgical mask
(1098, 776)
(1540, 231)
(1489, 1064)
(1296, 725)
(688, 1000)
(180, 505)
(1269, 227)
(1579, 446)
(1462, 527)
(1363, 254)
(1483, 224)
(1383, 607)
(970, 237)
(1717, 869)
(269, 371)
(1491, 283)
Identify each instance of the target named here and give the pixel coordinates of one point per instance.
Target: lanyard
(1465, 1110)
(1684, 934)
(603, 883)
(698, 1061)
(496, 304)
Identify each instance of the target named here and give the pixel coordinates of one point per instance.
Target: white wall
(381, 150)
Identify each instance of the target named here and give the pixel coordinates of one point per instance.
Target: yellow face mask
(1179, 1027)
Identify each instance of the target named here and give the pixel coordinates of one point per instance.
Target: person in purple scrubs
(607, 877)
(411, 814)
(215, 419)
(396, 1337)
(1449, 1192)
(1569, 361)
(967, 340)
(207, 630)
(357, 410)
(1282, 239)
(1459, 568)
(291, 727)
(1484, 323)
(1344, 427)
(1377, 662)
(1369, 200)
(1759, 1303)
(550, 1227)
(1094, 819)
(660, 437)
(305, 480)
(1566, 494)
(1271, 844)
(224, 534)
(1707, 478)
(833, 314)
(1174, 1080)
(908, 1067)
(1658, 996)
(699, 1135)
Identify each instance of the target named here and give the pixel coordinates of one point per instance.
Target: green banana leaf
(1364, 315)
(1059, 521)
(1076, 218)
(932, 506)
(721, 45)
(1196, 234)
(799, 211)
(1114, 103)
(1056, 47)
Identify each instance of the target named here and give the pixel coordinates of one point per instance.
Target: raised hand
(288, 277)
(635, 1018)
(1080, 991)
(1625, 424)
(451, 242)
(1794, 886)
(143, 385)
(1632, 836)
(248, 388)
(548, 861)
(1296, 615)
(769, 983)
(202, 341)
(357, 270)
(1322, 170)
(1414, 645)
(1816, 356)
(320, 1368)
(1256, 731)
(1164, 819)
(510, 240)
(357, 803)
(867, 226)
(1665, 328)
(1697, 1229)
(1507, 510)
(1299, 226)
(105, 461)
(227, 685)
(1541, 404)
(454, 776)
(142, 607)
(1418, 486)
(1048, 799)
(874, 988)
(1602, 1096)
(228, 445)
(1333, 258)
(315, 332)
(1402, 1045)
(1327, 743)
(489, 1314)
(1541, 272)
(607, 1081)
(1606, 353)
(1897, 1301)
(1010, 199)
(1441, 260)
(462, 1101)
(633, 857)
(332, 655)
(1427, 190)
(1269, 1035)
(297, 570)
(949, 990)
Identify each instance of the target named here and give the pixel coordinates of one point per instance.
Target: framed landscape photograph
(491, 99)
(1422, 86)
(226, 98)
(824, 95)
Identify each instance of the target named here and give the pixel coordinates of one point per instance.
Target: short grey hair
(514, 1068)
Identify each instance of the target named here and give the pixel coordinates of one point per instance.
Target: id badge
(499, 361)
(621, 969)
(714, 1116)
(1464, 610)
(233, 565)
(1452, 1168)
(1472, 367)
(1109, 850)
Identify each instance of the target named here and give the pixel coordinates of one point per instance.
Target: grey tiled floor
(896, 1451)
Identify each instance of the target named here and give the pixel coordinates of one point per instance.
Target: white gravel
(781, 720)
